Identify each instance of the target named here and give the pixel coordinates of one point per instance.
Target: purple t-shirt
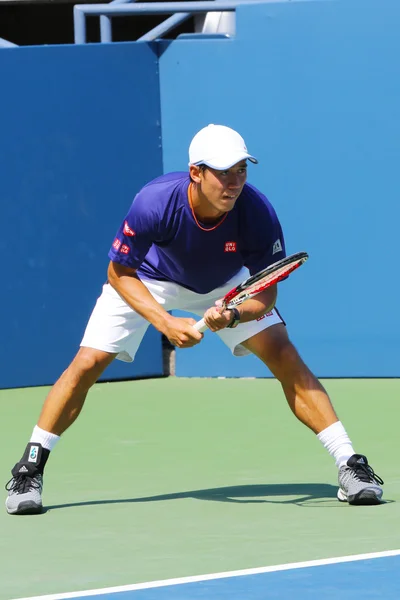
(162, 240)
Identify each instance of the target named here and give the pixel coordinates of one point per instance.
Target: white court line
(200, 578)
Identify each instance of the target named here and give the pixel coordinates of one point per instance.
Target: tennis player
(188, 239)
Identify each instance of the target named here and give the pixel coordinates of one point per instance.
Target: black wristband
(235, 320)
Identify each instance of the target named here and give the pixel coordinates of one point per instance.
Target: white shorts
(115, 327)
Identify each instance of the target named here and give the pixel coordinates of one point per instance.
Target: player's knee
(86, 367)
(288, 355)
(282, 356)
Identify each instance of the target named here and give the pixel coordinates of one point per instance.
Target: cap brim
(226, 162)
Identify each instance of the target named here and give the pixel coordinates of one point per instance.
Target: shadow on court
(290, 493)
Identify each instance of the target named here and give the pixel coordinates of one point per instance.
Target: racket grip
(200, 326)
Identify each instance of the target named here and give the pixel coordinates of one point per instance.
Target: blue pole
(106, 23)
(79, 25)
(164, 27)
(117, 9)
(105, 29)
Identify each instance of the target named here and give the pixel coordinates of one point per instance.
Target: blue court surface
(362, 576)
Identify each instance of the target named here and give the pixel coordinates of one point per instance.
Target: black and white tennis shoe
(26, 485)
(358, 483)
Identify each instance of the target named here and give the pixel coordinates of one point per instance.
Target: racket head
(264, 279)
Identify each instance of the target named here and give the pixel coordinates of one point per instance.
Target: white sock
(44, 438)
(335, 439)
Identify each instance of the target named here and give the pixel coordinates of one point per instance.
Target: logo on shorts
(127, 230)
(33, 454)
(124, 249)
(230, 247)
(116, 244)
(268, 314)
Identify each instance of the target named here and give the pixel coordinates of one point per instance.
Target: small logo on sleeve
(230, 247)
(124, 249)
(277, 247)
(116, 244)
(127, 230)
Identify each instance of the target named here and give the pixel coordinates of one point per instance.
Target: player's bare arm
(251, 309)
(178, 330)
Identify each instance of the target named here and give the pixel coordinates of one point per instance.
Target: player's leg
(114, 329)
(311, 404)
(60, 409)
(267, 338)
(305, 395)
(67, 396)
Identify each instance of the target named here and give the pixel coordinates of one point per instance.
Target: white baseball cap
(218, 147)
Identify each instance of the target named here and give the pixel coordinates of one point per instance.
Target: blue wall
(314, 87)
(80, 133)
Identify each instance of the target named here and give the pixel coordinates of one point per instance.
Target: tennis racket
(259, 282)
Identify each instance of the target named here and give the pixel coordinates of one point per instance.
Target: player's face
(220, 189)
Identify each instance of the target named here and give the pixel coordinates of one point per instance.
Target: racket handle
(200, 326)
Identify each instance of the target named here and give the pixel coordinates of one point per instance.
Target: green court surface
(176, 477)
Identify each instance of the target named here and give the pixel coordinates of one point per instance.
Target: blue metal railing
(153, 34)
(119, 8)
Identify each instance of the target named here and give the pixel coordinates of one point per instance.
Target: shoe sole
(366, 497)
(26, 508)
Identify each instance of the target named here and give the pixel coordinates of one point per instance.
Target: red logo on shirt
(230, 247)
(128, 230)
(125, 249)
(116, 244)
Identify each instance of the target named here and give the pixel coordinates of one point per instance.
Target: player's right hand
(181, 333)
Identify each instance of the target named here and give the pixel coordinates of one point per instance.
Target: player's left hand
(216, 318)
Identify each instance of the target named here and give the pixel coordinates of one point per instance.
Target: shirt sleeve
(136, 234)
(261, 232)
